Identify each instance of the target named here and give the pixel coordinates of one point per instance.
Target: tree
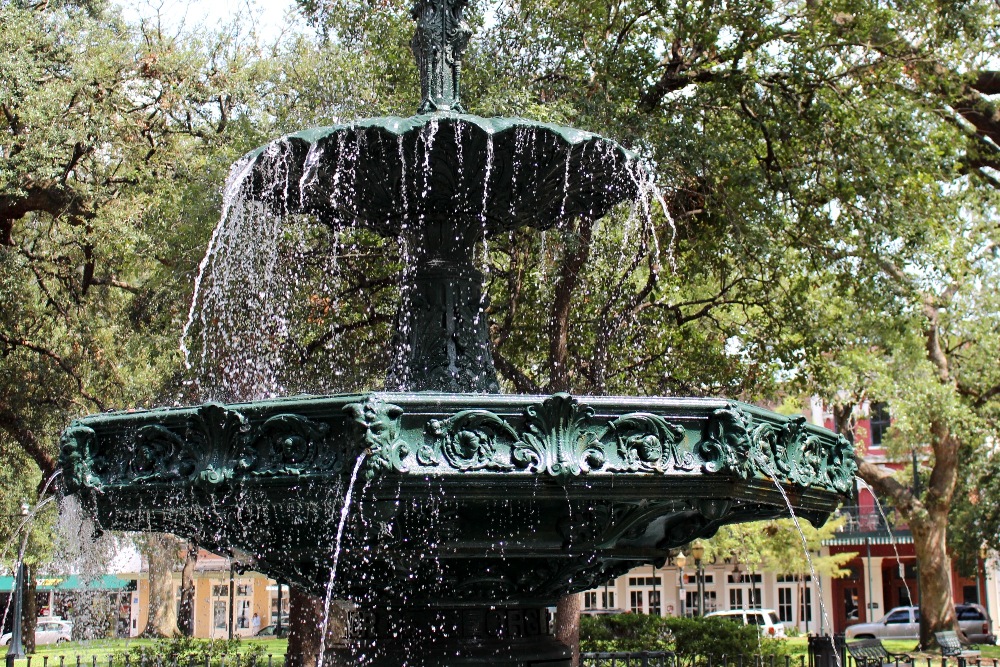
(106, 136)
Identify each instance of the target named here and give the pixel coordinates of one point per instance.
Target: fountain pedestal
(453, 637)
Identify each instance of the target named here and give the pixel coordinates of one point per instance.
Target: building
(223, 597)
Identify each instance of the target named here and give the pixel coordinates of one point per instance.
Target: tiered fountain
(474, 510)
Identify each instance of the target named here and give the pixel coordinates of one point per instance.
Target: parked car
(904, 623)
(765, 619)
(272, 631)
(47, 631)
(601, 612)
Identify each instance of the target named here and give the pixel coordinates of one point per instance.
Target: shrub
(187, 651)
(688, 637)
(624, 632)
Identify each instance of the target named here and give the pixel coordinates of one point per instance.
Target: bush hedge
(688, 637)
(189, 652)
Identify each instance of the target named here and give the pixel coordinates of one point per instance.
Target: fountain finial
(438, 45)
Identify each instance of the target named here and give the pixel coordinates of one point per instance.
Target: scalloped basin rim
(462, 401)
(398, 126)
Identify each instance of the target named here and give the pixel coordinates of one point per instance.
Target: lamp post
(698, 552)
(15, 650)
(681, 561)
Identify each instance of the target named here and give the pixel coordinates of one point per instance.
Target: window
(805, 608)
(243, 614)
(243, 590)
(645, 581)
(879, 420)
(901, 616)
(608, 599)
(220, 591)
(589, 600)
(636, 598)
(219, 620)
(851, 603)
(969, 614)
(785, 604)
(654, 603)
(736, 598)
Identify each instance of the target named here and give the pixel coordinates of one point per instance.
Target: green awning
(72, 582)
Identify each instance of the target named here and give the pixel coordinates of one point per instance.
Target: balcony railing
(870, 520)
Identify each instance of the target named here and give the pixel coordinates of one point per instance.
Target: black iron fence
(125, 660)
(669, 659)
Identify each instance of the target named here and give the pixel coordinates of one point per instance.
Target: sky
(269, 15)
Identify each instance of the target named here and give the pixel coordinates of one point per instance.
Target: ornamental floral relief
(469, 440)
(557, 439)
(290, 444)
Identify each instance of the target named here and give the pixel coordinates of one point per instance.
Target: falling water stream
(766, 465)
(344, 512)
(892, 538)
(25, 526)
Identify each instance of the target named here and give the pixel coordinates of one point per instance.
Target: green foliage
(688, 637)
(190, 651)
(776, 546)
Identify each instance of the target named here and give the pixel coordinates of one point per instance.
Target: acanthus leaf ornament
(556, 439)
(217, 439)
(438, 44)
(375, 426)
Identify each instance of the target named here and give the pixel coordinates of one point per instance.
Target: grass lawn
(98, 651)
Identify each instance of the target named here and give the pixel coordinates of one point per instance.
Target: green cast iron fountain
(475, 510)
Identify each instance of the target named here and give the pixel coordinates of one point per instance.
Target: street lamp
(15, 650)
(681, 560)
(698, 552)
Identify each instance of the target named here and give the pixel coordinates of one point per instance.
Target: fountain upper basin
(390, 173)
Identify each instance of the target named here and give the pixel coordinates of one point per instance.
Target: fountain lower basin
(463, 500)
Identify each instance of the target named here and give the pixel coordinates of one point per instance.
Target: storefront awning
(72, 582)
(861, 540)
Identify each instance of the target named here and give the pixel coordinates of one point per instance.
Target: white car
(765, 619)
(47, 631)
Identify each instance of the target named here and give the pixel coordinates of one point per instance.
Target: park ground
(97, 653)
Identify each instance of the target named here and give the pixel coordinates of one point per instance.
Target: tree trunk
(304, 616)
(568, 624)
(161, 554)
(928, 521)
(570, 273)
(185, 620)
(29, 608)
(937, 607)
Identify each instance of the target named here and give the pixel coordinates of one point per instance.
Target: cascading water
(888, 530)
(478, 509)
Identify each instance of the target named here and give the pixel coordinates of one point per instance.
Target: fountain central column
(442, 340)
